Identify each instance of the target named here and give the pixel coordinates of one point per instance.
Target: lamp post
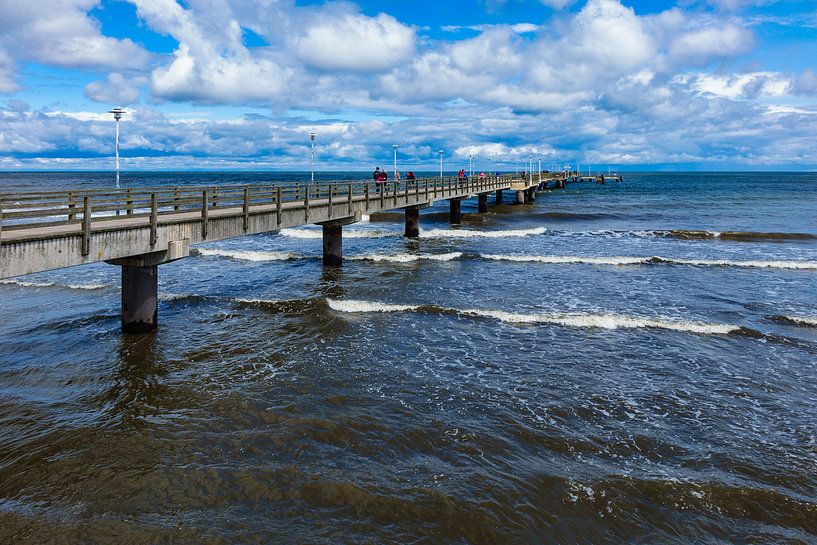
(117, 115)
(441, 164)
(530, 167)
(312, 138)
(394, 174)
(470, 165)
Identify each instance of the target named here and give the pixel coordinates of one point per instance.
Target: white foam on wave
(606, 321)
(353, 306)
(405, 258)
(469, 233)
(565, 259)
(349, 233)
(810, 321)
(27, 284)
(633, 260)
(602, 321)
(247, 255)
(797, 265)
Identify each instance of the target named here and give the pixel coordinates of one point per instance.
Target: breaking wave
(799, 321)
(602, 321)
(26, 284)
(313, 233)
(653, 260)
(406, 258)
(246, 255)
(466, 233)
(737, 236)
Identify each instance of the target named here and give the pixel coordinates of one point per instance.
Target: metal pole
(394, 172)
(117, 153)
(312, 138)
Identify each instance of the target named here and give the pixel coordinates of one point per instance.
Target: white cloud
(737, 86)
(355, 43)
(59, 32)
(700, 45)
(116, 89)
(7, 83)
(211, 64)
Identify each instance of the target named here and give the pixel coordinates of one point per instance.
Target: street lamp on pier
(312, 138)
(117, 115)
(394, 174)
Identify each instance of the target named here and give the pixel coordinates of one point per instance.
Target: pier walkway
(142, 228)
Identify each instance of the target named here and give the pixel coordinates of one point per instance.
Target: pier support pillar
(140, 285)
(455, 215)
(333, 239)
(531, 196)
(140, 296)
(482, 201)
(332, 244)
(498, 196)
(520, 197)
(412, 222)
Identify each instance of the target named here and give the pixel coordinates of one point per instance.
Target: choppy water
(626, 363)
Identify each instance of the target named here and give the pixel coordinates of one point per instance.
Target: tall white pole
(312, 138)
(117, 153)
(394, 174)
(117, 115)
(540, 170)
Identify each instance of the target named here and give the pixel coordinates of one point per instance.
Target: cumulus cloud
(60, 32)
(356, 43)
(211, 64)
(7, 83)
(700, 45)
(116, 89)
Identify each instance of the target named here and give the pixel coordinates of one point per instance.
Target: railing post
(416, 191)
(204, 214)
(1, 219)
(176, 198)
(349, 188)
(129, 202)
(72, 205)
(154, 218)
(396, 183)
(278, 204)
(215, 198)
(366, 194)
(246, 209)
(86, 226)
(306, 209)
(331, 190)
(382, 195)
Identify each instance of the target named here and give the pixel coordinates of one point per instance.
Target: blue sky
(239, 84)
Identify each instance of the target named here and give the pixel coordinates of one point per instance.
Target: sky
(240, 84)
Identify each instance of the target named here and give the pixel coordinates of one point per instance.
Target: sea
(633, 362)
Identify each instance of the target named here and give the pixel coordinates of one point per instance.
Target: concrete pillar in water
(412, 222)
(332, 244)
(482, 201)
(140, 296)
(455, 215)
(140, 286)
(520, 197)
(498, 196)
(531, 195)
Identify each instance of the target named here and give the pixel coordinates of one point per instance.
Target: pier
(141, 228)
